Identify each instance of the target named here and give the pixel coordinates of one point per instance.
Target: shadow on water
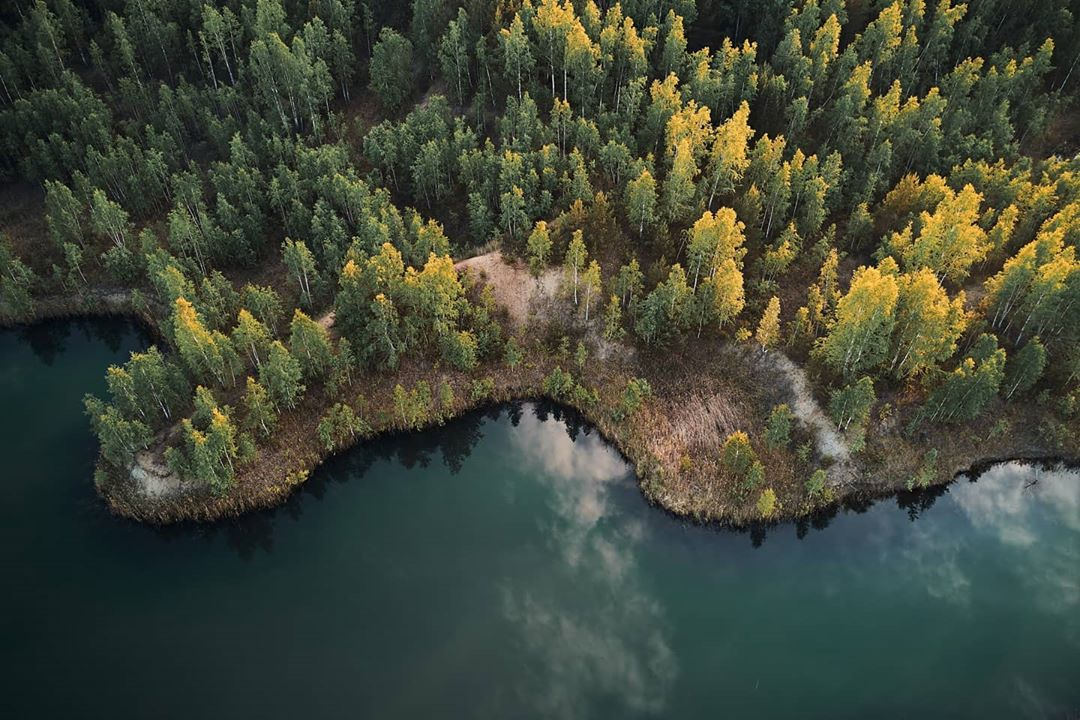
(452, 443)
(49, 339)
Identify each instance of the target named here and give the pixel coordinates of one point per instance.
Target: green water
(505, 566)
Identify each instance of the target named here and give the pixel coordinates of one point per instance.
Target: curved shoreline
(294, 461)
(860, 495)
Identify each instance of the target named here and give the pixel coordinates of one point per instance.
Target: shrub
(778, 429)
(815, 484)
(767, 504)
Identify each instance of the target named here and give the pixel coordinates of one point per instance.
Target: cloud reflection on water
(581, 649)
(1010, 509)
(1014, 504)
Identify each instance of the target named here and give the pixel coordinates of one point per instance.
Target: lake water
(506, 566)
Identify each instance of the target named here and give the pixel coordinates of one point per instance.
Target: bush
(482, 389)
(927, 471)
(767, 504)
(815, 484)
(778, 429)
(339, 426)
(738, 455)
(635, 393)
(559, 384)
(755, 475)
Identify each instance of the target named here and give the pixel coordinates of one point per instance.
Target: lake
(506, 565)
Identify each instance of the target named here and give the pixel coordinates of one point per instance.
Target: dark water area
(506, 565)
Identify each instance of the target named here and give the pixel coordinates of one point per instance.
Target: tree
(591, 283)
(339, 426)
(712, 240)
(680, 189)
(949, 240)
(156, 382)
(928, 323)
(581, 355)
(120, 437)
(218, 36)
(1024, 368)
(628, 283)
(728, 156)
(281, 374)
(391, 69)
(816, 483)
(720, 297)
(538, 247)
(250, 337)
(512, 210)
(778, 429)
(309, 342)
(108, 219)
(575, 259)
(446, 399)
(16, 281)
(666, 310)
(850, 405)
(963, 393)
(222, 441)
(513, 354)
(768, 330)
(260, 413)
(641, 200)
(858, 339)
(738, 454)
(454, 54)
(301, 265)
(63, 214)
(517, 56)
(460, 349)
(263, 303)
(613, 329)
(636, 392)
(206, 353)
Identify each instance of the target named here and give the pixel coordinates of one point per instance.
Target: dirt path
(829, 442)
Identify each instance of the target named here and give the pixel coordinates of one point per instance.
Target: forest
(703, 199)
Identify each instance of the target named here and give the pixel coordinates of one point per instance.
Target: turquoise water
(506, 566)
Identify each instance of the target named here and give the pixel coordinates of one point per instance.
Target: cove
(506, 565)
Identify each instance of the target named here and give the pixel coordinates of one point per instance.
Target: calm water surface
(507, 566)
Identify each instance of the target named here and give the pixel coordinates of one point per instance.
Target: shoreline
(295, 452)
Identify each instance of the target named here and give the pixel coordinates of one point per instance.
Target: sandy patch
(513, 286)
(154, 479)
(830, 443)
